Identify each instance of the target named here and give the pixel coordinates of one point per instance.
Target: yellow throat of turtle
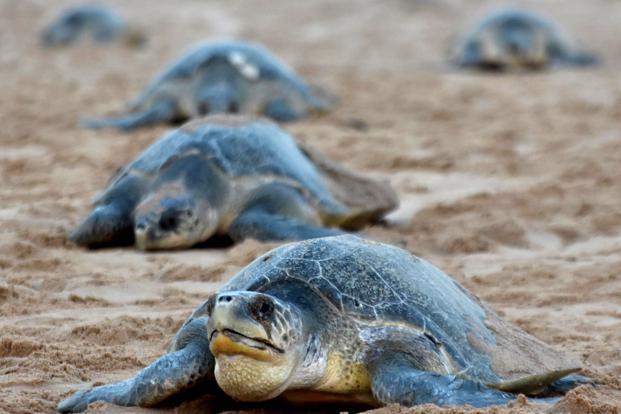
(247, 373)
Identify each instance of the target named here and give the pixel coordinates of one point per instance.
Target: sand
(509, 183)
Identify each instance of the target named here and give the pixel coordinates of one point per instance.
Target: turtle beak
(230, 314)
(234, 331)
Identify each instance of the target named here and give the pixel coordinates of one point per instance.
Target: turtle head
(517, 44)
(217, 98)
(219, 85)
(173, 222)
(64, 31)
(257, 341)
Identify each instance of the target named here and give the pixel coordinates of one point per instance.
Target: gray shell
(257, 148)
(375, 282)
(269, 67)
(558, 47)
(501, 16)
(102, 23)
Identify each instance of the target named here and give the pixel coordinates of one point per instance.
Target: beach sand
(510, 183)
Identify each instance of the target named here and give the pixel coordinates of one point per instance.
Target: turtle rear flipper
(162, 111)
(525, 364)
(278, 212)
(106, 224)
(190, 365)
(561, 386)
(368, 200)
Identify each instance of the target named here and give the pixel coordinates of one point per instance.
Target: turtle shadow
(195, 401)
(128, 240)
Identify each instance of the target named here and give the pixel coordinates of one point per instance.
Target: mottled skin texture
(517, 39)
(228, 77)
(336, 319)
(223, 175)
(101, 24)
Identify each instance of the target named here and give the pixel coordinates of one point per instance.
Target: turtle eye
(263, 308)
(168, 221)
(203, 108)
(233, 108)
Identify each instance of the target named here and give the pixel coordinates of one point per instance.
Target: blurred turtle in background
(346, 320)
(226, 77)
(102, 24)
(234, 176)
(517, 39)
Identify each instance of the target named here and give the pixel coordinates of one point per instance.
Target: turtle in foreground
(518, 39)
(342, 319)
(102, 24)
(215, 78)
(230, 175)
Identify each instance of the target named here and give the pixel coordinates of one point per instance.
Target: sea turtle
(222, 77)
(517, 39)
(343, 319)
(104, 25)
(230, 175)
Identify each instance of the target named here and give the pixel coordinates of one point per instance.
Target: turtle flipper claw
(119, 393)
(77, 403)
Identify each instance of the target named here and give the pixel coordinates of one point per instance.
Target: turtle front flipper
(278, 212)
(321, 100)
(264, 226)
(396, 380)
(469, 56)
(111, 222)
(281, 111)
(106, 224)
(192, 364)
(572, 58)
(162, 111)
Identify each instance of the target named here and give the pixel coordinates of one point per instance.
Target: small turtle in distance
(102, 24)
(222, 77)
(235, 176)
(342, 319)
(512, 39)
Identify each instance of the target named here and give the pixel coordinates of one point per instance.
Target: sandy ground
(510, 183)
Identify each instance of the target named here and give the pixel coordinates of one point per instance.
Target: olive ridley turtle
(343, 319)
(230, 175)
(222, 77)
(517, 39)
